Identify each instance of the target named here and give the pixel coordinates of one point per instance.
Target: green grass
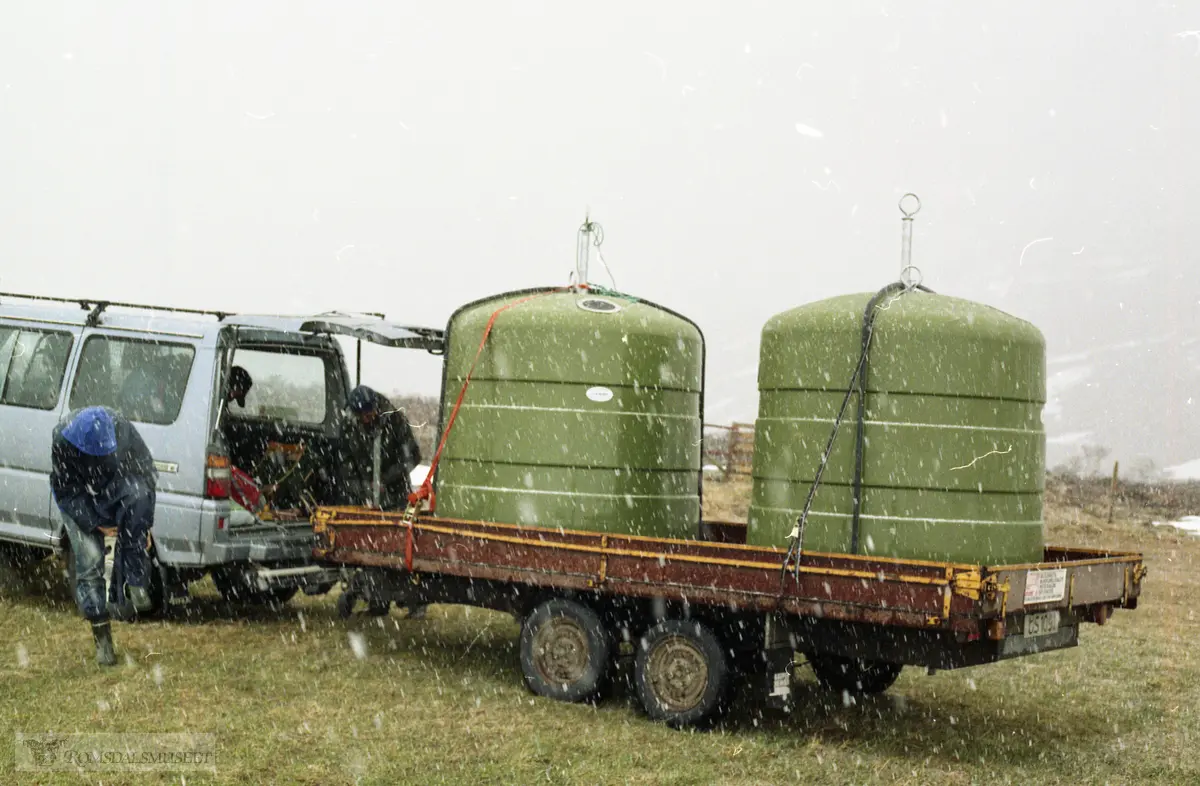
(441, 700)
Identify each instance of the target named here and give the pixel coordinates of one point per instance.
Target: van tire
(19, 556)
(233, 590)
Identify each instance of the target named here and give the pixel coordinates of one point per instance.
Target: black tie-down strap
(857, 384)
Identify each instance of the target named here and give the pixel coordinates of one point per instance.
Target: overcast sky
(742, 157)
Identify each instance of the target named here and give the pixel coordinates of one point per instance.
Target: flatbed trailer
(702, 615)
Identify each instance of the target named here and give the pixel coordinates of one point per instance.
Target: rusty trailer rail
(967, 601)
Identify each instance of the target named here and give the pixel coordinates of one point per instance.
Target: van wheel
(851, 675)
(681, 673)
(20, 557)
(565, 651)
(234, 589)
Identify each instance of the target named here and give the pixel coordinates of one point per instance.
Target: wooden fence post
(1112, 491)
(729, 450)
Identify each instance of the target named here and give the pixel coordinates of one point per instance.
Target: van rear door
(377, 331)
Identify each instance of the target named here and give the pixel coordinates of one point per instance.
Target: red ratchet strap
(426, 489)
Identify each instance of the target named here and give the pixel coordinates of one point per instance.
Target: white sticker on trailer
(1045, 586)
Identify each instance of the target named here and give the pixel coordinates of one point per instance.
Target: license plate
(1042, 624)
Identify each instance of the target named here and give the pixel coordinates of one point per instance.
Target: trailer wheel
(565, 651)
(860, 677)
(681, 673)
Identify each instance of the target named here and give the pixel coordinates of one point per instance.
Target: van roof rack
(96, 307)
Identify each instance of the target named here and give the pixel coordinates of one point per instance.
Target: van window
(32, 365)
(286, 386)
(143, 380)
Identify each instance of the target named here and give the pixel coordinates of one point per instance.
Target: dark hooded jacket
(75, 472)
(399, 452)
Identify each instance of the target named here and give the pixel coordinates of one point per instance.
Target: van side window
(32, 365)
(287, 386)
(143, 380)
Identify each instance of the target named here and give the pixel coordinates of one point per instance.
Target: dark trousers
(128, 505)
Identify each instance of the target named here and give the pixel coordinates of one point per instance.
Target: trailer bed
(956, 598)
(694, 614)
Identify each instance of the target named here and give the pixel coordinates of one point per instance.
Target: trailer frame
(835, 608)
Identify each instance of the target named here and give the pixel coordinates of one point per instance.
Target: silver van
(167, 370)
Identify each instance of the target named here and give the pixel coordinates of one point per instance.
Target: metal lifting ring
(910, 213)
(908, 279)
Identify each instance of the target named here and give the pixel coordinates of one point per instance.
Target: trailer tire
(852, 675)
(681, 673)
(565, 651)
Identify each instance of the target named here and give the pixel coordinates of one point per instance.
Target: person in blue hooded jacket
(102, 475)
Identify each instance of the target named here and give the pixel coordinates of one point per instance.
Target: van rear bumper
(263, 546)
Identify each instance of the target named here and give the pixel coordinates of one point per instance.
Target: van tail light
(218, 476)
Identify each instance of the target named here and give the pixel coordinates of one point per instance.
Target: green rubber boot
(105, 653)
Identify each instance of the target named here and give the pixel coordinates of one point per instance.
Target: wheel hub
(560, 651)
(678, 673)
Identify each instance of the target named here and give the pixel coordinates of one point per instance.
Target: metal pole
(358, 363)
(582, 251)
(1112, 491)
(376, 458)
(909, 275)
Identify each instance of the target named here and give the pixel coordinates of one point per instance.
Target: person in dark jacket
(239, 385)
(102, 475)
(380, 440)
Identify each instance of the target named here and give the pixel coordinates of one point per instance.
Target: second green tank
(954, 450)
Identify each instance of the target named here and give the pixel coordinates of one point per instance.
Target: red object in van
(245, 491)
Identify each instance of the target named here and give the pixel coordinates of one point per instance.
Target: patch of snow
(1187, 471)
(1188, 524)
(1066, 379)
(1072, 438)
(804, 130)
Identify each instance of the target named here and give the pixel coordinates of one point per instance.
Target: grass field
(300, 696)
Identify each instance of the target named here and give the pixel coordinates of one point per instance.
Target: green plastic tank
(584, 412)
(954, 449)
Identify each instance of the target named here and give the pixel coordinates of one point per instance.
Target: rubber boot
(105, 653)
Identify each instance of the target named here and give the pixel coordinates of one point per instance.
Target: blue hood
(93, 432)
(362, 400)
